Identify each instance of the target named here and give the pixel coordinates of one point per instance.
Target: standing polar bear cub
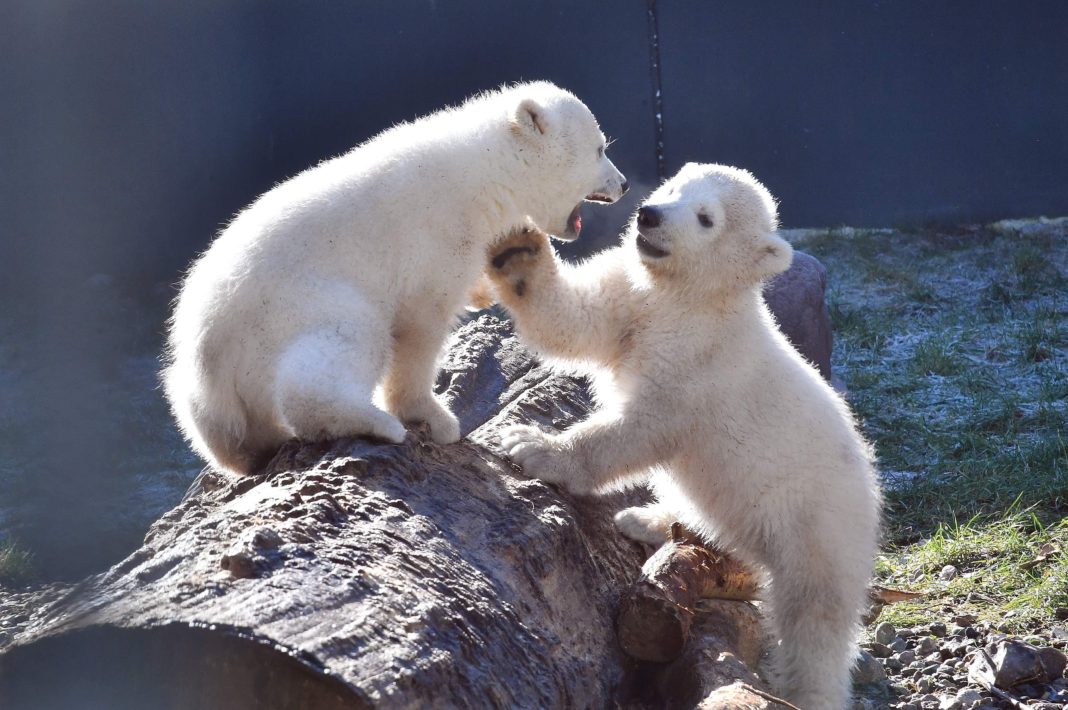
(748, 444)
(346, 279)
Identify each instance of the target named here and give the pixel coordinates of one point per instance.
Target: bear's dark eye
(600, 152)
(705, 220)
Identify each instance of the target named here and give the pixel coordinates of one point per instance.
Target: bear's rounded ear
(774, 256)
(528, 118)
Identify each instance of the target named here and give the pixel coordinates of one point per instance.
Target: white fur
(347, 277)
(747, 442)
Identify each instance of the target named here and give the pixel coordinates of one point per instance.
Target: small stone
(885, 633)
(892, 664)
(937, 629)
(949, 702)
(935, 658)
(908, 706)
(948, 573)
(1057, 695)
(906, 657)
(1053, 662)
(964, 620)
(879, 650)
(926, 646)
(930, 669)
(899, 645)
(969, 697)
(1016, 662)
(867, 669)
(923, 685)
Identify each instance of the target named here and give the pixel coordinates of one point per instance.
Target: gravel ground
(942, 666)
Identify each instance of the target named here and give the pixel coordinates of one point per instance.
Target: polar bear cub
(696, 383)
(321, 309)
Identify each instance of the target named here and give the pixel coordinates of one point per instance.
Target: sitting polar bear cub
(748, 444)
(347, 277)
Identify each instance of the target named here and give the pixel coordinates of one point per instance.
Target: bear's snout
(649, 217)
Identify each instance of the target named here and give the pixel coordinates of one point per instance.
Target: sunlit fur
(746, 442)
(339, 285)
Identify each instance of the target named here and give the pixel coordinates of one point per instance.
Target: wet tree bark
(354, 574)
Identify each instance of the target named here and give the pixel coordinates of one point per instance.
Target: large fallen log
(353, 574)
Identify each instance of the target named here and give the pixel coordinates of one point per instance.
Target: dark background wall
(130, 131)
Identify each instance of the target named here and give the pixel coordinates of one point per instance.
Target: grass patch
(1011, 571)
(937, 355)
(953, 347)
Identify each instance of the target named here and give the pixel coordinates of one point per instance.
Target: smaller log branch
(655, 616)
(689, 610)
(715, 671)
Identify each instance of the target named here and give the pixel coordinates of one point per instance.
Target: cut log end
(653, 627)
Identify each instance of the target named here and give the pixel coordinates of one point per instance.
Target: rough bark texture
(354, 574)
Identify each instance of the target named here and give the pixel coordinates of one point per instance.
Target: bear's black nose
(649, 217)
(624, 187)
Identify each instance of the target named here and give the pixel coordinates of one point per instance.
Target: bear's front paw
(512, 259)
(540, 456)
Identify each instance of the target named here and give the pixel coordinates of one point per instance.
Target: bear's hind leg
(647, 523)
(325, 383)
(816, 610)
(408, 388)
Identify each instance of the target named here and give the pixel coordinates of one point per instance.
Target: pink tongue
(577, 226)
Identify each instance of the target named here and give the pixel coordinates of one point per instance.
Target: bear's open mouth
(599, 197)
(647, 248)
(574, 225)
